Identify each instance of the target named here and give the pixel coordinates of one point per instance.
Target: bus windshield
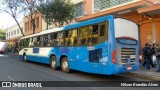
(125, 29)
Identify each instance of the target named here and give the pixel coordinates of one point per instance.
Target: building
(13, 34)
(28, 29)
(144, 12)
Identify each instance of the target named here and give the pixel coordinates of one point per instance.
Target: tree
(57, 12)
(2, 34)
(14, 8)
(31, 11)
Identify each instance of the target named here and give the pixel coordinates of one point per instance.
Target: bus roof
(44, 32)
(88, 22)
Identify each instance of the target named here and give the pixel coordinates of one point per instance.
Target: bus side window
(38, 41)
(83, 37)
(31, 42)
(60, 39)
(94, 37)
(55, 40)
(67, 37)
(102, 30)
(21, 45)
(73, 37)
(26, 42)
(49, 40)
(46, 40)
(35, 42)
(41, 41)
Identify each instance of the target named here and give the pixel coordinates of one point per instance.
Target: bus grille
(128, 53)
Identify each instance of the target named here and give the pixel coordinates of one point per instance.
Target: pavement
(141, 73)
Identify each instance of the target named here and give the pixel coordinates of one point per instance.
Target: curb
(142, 76)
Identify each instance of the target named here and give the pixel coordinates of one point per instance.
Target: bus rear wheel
(25, 58)
(65, 65)
(53, 62)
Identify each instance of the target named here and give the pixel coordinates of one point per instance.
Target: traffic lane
(17, 70)
(42, 69)
(75, 76)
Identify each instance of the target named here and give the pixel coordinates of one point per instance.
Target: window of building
(104, 4)
(17, 31)
(37, 22)
(79, 9)
(25, 26)
(14, 32)
(28, 26)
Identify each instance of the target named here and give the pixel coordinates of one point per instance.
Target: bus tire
(53, 62)
(65, 65)
(24, 58)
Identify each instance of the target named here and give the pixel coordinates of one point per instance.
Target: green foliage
(57, 11)
(2, 35)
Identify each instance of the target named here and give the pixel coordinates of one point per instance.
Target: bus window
(60, 38)
(46, 40)
(95, 29)
(102, 30)
(41, 41)
(94, 35)
(35, 41)
(31, 44)
(49, 40)
(55, 39)
(83, 36)
(38, 41)
(26, 43)
(21, 44)
(67, 37)
(74, 38)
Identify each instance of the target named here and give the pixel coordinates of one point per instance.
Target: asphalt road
(12, 69)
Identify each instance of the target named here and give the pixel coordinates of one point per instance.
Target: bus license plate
(129, 68)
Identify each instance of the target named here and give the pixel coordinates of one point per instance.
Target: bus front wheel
(65, 65)
(53, 62)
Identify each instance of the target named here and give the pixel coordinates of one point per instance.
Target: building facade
(28, 29)
(146, 13)
(13, 34)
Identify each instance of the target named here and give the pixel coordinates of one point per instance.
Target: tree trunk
(34, 26)
(47, 25)
(19, 26)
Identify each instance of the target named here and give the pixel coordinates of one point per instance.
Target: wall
(27, 28)
(14, 29)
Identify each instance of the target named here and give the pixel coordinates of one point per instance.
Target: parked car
(3, 47)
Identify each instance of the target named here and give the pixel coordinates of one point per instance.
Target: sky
(6, 20)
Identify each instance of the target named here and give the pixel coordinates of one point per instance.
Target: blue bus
(105, 45)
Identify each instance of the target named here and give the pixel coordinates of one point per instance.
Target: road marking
(11, 78)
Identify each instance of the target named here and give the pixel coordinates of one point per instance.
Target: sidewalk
(145, 74)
